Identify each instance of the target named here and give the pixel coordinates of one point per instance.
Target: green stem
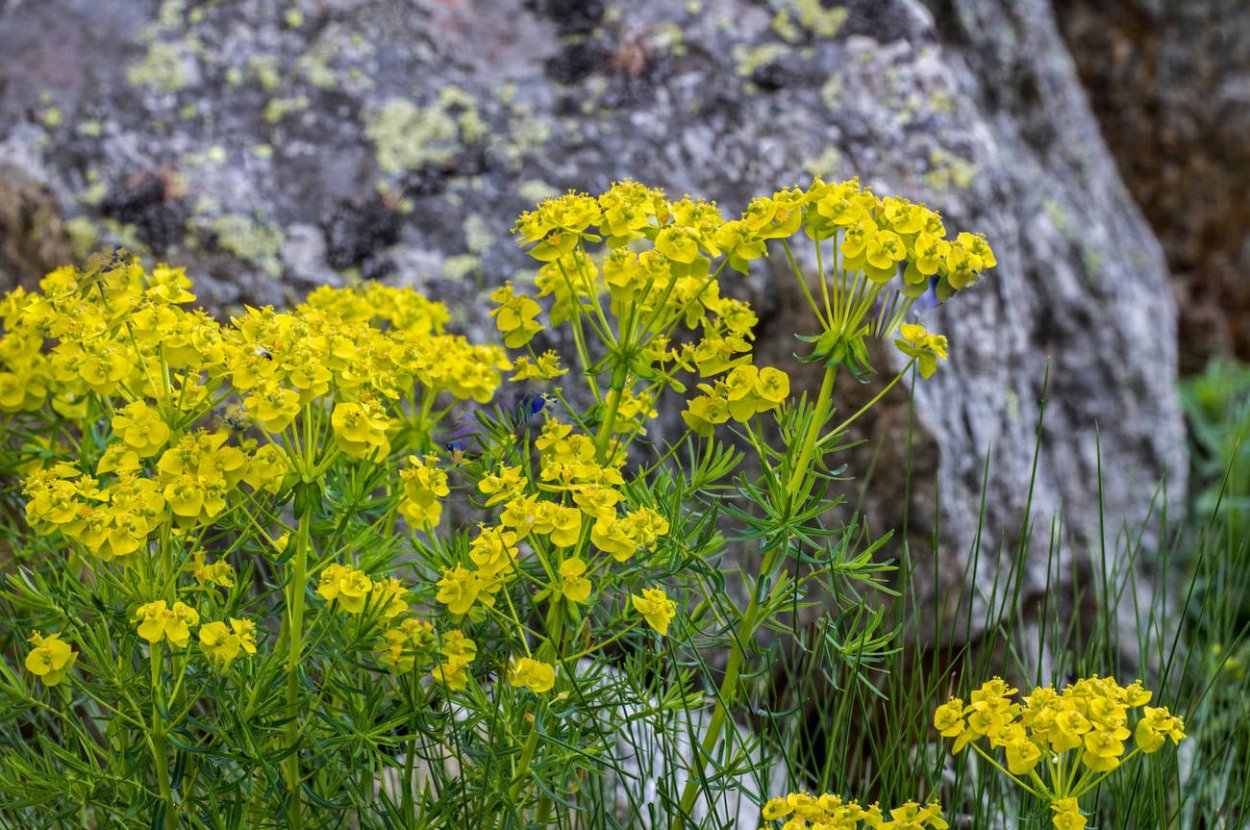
(159, 748)
(298, 566)
(840, 428)
(745, 631)
(411, 750)
(824, 399)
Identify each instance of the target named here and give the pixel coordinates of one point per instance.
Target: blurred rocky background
(274, 146)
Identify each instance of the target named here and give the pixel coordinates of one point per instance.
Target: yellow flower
(423, 485)
(924, 347)
(222, 644)
(493, 550)
(1067, 814)
(459, 589)
(404, 644)
(157, 621)
(349, 586)
(360, 429)
(273, 406)
(206, 573)
(458, 652)
(949, 719)
(534, 675)
(616, 536)
(574, 586)
(656, 608)
(776, 808)
(51, 659)
(389, 597)
(1157, 725)
(515, 316)
(141, 428)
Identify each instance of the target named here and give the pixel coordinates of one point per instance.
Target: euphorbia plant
(275, 562)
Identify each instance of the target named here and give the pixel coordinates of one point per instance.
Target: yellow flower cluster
(926, 348)
(532, 674)
(457, 651)
(800, 811)
(157, 621)
(354, 591)
(658, 274)
(50, 659)
(423, 485)
(113, 515)
(223, 644)
(1049, 737)
(587, 503)
(744, 392)
(656, 608)
(413, 644)
(118, 332)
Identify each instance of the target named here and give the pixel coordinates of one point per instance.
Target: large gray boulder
(272, 147)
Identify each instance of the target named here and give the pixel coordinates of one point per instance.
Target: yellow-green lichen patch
(670, 38)
(747, 59)
(90, 129)
(799, 17)
(461, 266)
(525, 133)
(279, 108)
(160, 68)
(52, 117)
(826, 164)
(171, 13)
(831, 92)
(407, 136)
(258, 242)
(314, 65)
(82, 235)
(95, 191)
(478, 233)
(948, 171)
(264, 68)
(536, 190)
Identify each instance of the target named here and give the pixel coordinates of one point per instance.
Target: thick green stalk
(298, 569)
(745, 632)
(160, 749)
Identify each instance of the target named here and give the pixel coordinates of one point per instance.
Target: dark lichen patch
(578, 60)
(150, 203)
(571, 17)
(357, 233)
(883, 20)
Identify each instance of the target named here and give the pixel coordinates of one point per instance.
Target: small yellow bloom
(349, 586)
(51, 659)
(157, 621)
(656, 608)
(222, 643)
(574, 586)
(141, 428)
(459, 589)
(532, 674)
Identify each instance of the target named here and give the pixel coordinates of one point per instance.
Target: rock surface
(274, 146)
(1170, 85)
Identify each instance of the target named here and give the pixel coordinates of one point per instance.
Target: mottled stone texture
(1170, 85)
(275, 146)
